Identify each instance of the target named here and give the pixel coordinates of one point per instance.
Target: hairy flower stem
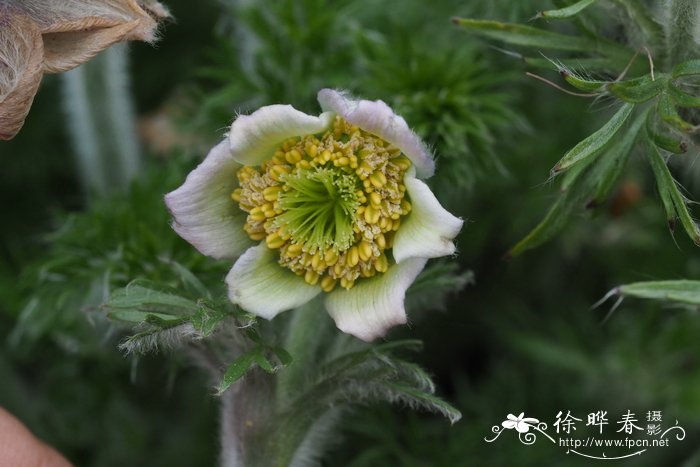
(681, 23)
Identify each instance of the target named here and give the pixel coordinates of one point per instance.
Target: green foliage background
(522, 338)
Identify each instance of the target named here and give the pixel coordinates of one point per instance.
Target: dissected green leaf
(566, 12)
(669, 114)
(527, 36)
(555, 220)
(591, 146)
(681, 98)
(691, 67)
(238, 369)
(611, 164)
(665, 140)
(673, 200)
(638, 90)
(137, 317)
(142, 298)
(206, 319)
(582, 63)
(584, 84)
(425, 400)
(681, 291)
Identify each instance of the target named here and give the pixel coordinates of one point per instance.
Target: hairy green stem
(101, 123)
(680, 26)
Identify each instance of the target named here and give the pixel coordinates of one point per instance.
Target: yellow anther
(365, 250)
(401, 162)
(326, 155)
(378, 179)
(367, 272)
(353, 257)
(328, 283)
(345, 283)
(337, 269)
(341, 161)
(236, 195)
(257, 214)
(278, 158)
(405, 206)
(293, 156)
(371, 215)
(256, 236)
(270, 193)
(381, 241)
(311, 277)
(382, 263)
(317, 261)
(294, 249)
(311, 150)
(274, 241)
(396, 224)
(278, 170)
(375, 198)
(331, 257)
(384, 223)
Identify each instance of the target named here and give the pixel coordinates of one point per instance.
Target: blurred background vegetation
(521, 337)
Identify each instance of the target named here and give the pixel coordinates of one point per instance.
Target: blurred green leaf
(688, 68)
(566, 12)
(681, 98)
(527, 36)
(681, 291)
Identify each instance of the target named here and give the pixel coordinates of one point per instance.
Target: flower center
(330, 203)
(319, 208)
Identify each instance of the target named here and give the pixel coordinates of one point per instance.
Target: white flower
(330, 204)
(521, 424)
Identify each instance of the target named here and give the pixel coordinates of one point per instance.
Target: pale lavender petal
(377, 118)
(204, 213)
(255, 137)
(428, 230)
(374, 305)
(259, 285)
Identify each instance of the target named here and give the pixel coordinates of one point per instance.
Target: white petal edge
(259, 285)
(204, 213)
(377, 118)
(428, 230)
(374, 305)
(254, 138)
